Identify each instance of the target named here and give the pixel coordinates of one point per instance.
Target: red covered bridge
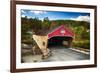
(60, 36)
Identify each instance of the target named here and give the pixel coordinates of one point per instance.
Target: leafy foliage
(35, 26)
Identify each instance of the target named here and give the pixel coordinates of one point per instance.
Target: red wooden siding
(61, 31)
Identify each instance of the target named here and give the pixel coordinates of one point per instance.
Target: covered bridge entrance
(60, 41)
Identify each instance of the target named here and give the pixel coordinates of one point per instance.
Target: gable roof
(61, 31)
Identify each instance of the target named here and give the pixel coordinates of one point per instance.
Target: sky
(56, 15)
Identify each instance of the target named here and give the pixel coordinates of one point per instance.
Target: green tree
(36, 25)
(46, 23)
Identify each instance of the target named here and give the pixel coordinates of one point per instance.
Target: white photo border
(20, 65)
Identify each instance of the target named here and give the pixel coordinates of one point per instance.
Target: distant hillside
(70, 23)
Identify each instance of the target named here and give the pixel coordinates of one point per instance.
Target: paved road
(65, 54)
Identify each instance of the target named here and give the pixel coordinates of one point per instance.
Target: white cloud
(29, 17)
(23, 11)
(22, 15)
(82, 18)
(25, 15)
(38, 12)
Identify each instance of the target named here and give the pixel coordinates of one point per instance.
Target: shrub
(82, 44)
